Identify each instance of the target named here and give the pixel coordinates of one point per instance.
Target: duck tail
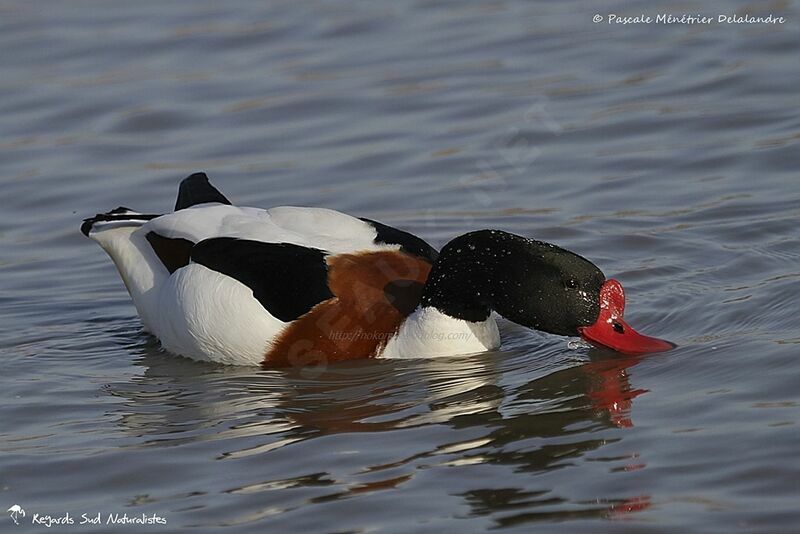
(138, 265)
(117, 218)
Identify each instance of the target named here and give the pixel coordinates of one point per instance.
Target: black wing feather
(173, 252)
(288, 280)
(409, 243)
(196, 189)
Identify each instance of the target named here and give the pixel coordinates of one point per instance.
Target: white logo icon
(15, 512)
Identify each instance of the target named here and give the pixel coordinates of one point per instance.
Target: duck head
(534, 284)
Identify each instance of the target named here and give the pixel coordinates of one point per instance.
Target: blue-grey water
(667, 154)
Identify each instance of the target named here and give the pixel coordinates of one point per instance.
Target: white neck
(429, 333)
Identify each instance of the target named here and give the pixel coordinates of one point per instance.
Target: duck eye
(618, 327)
(571, 283)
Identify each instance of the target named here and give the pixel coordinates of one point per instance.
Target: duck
(299, 286)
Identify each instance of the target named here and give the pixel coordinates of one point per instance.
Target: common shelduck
(297, 286)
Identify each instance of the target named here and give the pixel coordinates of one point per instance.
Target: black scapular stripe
(288, 280)
(196, 189)
(409, 243)
(174, 252)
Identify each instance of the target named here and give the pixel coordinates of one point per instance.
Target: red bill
(612, 332)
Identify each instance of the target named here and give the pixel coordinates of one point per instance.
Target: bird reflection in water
(609, 388)
(498, 409)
